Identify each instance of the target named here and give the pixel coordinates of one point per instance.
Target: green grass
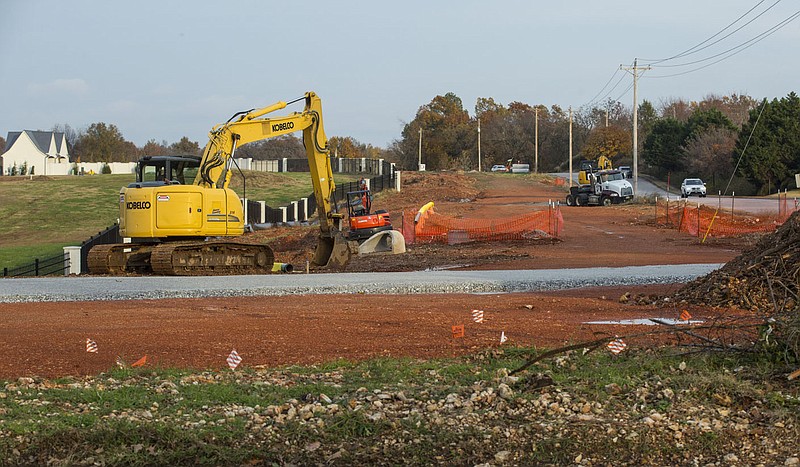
(41, 215)
(278, 189)
(13, 256)
(169, 416)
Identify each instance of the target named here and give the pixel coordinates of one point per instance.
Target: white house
(40, 152)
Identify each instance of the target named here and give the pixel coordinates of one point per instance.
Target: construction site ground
(48, 339)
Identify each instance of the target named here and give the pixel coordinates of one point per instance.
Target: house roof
(40, 138)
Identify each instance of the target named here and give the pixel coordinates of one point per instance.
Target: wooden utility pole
(634, 70)
(419, 166)
(479, 145)
(536, 142)
(570, 146)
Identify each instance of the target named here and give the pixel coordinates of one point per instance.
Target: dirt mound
(291, 244)
(420, 188)
(762, 279)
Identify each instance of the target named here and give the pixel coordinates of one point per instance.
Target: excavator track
(119, 259)
(211, 258)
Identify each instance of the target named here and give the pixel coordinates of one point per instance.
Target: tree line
(707, 139)
(102, 142)
(677, 139)
(734, 142)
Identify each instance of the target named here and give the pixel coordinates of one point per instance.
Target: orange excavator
(363, 222)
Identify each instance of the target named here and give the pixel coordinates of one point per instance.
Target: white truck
(605, 187)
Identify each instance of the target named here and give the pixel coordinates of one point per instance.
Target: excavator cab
(359, 203)
(364, 223)
(166, 170)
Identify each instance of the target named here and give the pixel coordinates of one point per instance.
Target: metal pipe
(282, 267)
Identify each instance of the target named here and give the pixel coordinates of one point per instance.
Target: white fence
(340, 165)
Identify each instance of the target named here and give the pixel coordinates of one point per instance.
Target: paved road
(725, 203)
(419, 282)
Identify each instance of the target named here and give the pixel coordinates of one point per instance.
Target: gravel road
(51, 289)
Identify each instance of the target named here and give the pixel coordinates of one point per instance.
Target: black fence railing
(109, 235)
(340, 165)
(306, 210)
(40, 267)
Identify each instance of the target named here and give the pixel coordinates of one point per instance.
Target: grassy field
(41, 215)
(638, 408)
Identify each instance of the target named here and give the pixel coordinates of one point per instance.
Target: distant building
(39, 152)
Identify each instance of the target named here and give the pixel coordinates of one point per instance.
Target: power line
(742, 47)
(625, 92)
(768, 32)
(692, 50)
(699, 47)
(592, 100)
(747, 143)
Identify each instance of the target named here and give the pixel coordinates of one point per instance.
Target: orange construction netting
(707, 221)
(431, 227)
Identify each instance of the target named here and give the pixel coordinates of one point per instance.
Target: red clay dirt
(48, 339)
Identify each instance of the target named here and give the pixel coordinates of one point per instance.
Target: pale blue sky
(166, 69)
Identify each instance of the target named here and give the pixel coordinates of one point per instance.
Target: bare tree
(675, 108)
(709, 153)
(736, 107)
(69, 134)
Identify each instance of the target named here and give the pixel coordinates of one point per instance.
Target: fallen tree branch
(590, 345)
(690, 333)
(673, 329)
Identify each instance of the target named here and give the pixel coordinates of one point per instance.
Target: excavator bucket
(332, 251)
(389, 241)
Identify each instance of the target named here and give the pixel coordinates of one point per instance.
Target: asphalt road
(78, 288)
(724, 203)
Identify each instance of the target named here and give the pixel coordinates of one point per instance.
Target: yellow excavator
(588, 167)
(180, 228)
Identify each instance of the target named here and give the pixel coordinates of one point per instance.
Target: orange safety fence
(431, 227)
(708, 221)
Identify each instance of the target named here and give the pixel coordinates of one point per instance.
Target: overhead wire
(597, 99)
(630, 86)
(699, 47)
(757, 38)
(692, 50)
(747, 143)
(742, 47)
(593, 99)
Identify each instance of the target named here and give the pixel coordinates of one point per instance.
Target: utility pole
(536, 142)
(479, 145)
(419, 166)
(635, 72)
(570, 146)
(606, 117)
